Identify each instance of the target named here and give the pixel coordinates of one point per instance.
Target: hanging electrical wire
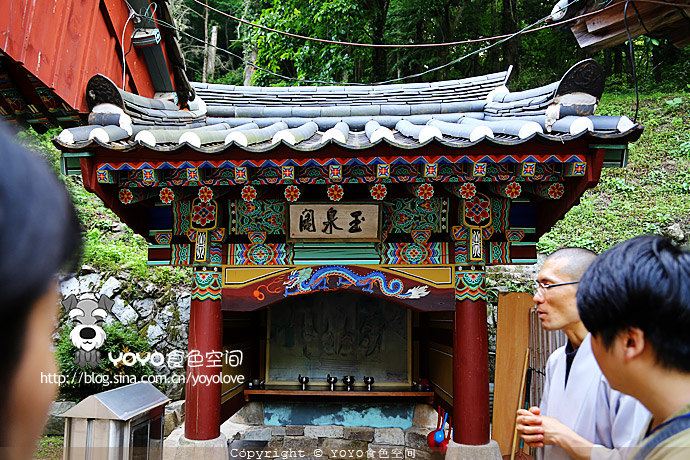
(132, 14)
(419, 45)
(148, 14)
(501, 39)
(329, 82)
(528, 29)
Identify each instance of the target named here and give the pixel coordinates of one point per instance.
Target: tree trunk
(252, 10)
(415, 64)
(608, 61)
(618, 59)
(628, 65)
(509, 26)
(446, 35)
(492, 62)
(211, 63)
(250, 69)
(379, 13)
(204, 70)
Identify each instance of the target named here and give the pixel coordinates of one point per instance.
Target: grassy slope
(649, 195)
(109, 245)
(49, 448)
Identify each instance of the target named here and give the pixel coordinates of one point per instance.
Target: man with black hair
(39, 236)
(580, 415)
(641, 340)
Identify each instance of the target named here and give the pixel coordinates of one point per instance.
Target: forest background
(537, 58)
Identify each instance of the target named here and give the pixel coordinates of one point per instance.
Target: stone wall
(160, 315)
(246, 430)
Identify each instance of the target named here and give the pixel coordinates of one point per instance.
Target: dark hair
(642, 283)
(39, 235)
(577, 260)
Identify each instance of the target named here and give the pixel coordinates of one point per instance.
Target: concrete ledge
(185, 449)
(488, 451)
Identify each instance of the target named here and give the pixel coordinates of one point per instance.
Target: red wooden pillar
(202, 404)
(470, 361)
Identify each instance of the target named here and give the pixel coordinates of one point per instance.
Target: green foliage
(647, 196)
(333, 19)
(109, 245)
(49, 448)
(542, 56)
(125, 253)
(42, 144)
(119, 339)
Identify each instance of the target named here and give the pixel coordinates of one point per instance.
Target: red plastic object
(444, 445)
(430, 437)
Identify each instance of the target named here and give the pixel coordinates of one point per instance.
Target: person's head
(635, 300)
(557, 283)
(39, 235)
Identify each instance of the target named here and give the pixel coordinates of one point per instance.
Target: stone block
(68, 287)
(300, 443)
(154, 334)
(184, 304)
(258, 434)
(488, 451)
(124, 313)
(111, 286)
(250, 414)
(344, 448)
(278, 431)
(144, 307)
(88, 283)
(415, 437)
(276, 443)
(425, 416)
(394, 436)
(170, 422)
(174, 416)
(177, 407)
(294, 430)
(326, 431)
(358, 433)
(274, 448)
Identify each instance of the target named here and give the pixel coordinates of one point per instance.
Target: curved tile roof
(454, 114)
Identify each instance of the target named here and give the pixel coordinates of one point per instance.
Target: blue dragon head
(297, 277)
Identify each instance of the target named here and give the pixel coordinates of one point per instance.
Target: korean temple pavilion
(337, 229)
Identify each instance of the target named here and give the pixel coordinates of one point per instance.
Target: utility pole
(204, 70)
(211, 62)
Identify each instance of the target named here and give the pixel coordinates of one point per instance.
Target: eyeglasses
(542, 287)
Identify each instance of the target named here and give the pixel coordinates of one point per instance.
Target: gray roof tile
(300, 116)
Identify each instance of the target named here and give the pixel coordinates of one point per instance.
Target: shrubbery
(119, 339)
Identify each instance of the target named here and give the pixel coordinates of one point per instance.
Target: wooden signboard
(335, 222)
(512, 339)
